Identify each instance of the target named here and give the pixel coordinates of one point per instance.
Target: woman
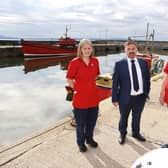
(164, 88)
(81, 76)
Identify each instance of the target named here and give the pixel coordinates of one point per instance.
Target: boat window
(68, 46)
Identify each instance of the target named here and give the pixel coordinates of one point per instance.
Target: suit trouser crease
(85, 123)
(136, 105)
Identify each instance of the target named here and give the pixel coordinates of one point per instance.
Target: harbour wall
(12, 48)
(11, 51)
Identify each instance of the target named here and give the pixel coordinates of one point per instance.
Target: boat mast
(147, 38)
(152, 35)
(147, 31)
(66, 32)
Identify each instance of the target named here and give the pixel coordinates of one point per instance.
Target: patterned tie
(134, 75)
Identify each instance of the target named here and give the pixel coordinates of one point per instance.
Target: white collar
(129, 59)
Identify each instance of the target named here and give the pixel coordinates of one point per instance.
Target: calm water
(33, 100)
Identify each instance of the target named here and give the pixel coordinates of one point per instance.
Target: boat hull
(103, 93)
(35, 49)
(148, 58)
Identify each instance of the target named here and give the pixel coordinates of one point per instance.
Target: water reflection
(9, 62)
(32, 101)
(33, 64)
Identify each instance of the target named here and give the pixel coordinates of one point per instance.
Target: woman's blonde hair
(81, 44)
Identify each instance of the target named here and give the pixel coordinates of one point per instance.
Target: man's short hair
(129, 42)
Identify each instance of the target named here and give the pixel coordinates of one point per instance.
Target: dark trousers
(136, 105)
(85, 123)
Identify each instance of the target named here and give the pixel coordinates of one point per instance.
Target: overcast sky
(88, 18)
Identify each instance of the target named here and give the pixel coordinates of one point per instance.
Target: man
(131, 85)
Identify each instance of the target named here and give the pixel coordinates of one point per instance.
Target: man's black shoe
(164, 146)
(121, 140)
(82, 148)
(139, 137)
(92, 143)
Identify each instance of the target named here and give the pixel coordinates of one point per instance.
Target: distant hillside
(6, 37)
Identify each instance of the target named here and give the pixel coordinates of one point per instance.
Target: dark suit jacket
(121, 85)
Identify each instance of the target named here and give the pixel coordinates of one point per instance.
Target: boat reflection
(34, 64)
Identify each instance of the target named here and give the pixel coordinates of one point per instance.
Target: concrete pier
(55, 147)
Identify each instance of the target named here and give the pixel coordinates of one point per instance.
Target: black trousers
(136, 105)
(85, 123)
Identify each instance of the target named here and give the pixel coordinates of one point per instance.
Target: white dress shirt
(139, 74)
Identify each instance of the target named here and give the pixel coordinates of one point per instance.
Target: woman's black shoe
(92, 143)
(121, 140)
(82, 148)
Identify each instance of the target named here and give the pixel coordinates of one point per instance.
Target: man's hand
(115, 104)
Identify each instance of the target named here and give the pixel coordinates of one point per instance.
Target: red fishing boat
(65, 46)
(148, 58)
(155, 63)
